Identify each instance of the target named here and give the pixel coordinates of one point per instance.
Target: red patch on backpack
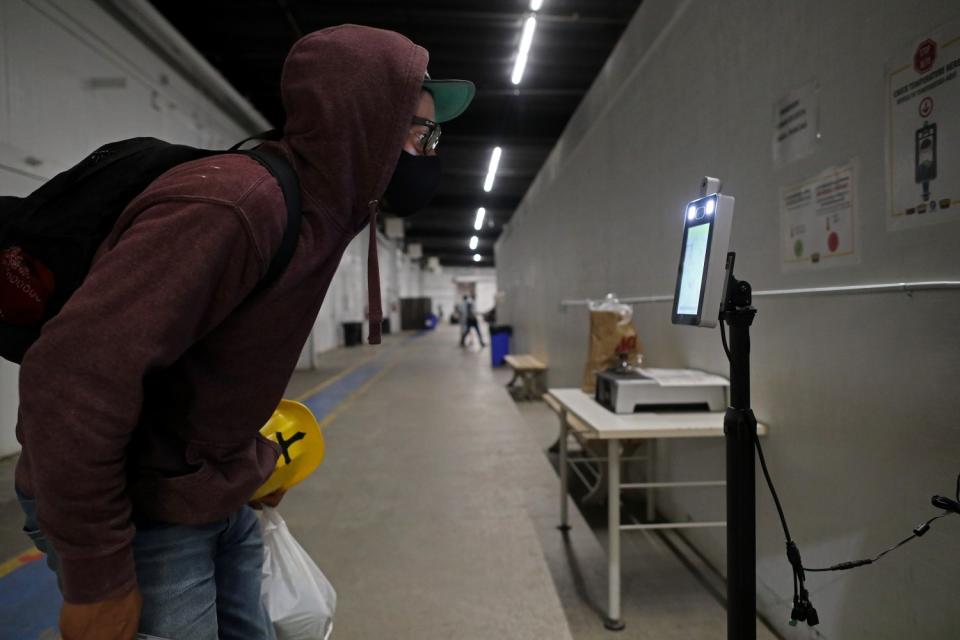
(26, 285)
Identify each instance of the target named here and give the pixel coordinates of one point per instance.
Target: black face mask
(413, 184)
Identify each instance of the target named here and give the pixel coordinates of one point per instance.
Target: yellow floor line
(22, 558)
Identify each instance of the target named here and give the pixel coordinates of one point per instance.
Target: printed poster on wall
(796, 125)
(923, 138)
(818, 220)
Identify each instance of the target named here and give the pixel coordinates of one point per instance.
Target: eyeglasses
(426, 141)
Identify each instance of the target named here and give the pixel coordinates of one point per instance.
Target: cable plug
(946, 504)
(803, 610)
(797, 614)
(852, 564)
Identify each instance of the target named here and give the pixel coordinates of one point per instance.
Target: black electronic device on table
(630, 390)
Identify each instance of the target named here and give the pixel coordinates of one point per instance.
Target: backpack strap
(290, 185)
(272, 134)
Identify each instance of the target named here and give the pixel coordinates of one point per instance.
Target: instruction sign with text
(795, 125)
(818, 220)
(923, 138)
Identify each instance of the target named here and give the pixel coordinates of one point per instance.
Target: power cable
(803, 609)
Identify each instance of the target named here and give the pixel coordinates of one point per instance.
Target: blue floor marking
(29, 598)
(29, 602)
(327, 399)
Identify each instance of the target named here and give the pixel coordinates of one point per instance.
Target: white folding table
(603, 424)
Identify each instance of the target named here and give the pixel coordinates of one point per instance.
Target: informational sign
(818, 220)
(796, 124)
(923, 138)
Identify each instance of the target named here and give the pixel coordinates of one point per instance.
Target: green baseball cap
(451, 97)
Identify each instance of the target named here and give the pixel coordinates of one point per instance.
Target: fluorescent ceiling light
(492, 169)
(478, 223)
(535, 5)
(525, 41)
(474, 241)
(476, 257)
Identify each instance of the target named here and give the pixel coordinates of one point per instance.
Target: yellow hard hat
(293, 427)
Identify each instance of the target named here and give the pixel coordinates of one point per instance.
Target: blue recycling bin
(499, 343)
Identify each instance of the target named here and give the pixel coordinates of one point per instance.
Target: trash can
(352, 333)
(499, 343)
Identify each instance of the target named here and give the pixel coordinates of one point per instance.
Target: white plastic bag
(298, 597)
(611, 303)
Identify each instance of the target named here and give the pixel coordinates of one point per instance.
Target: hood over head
(349, 94)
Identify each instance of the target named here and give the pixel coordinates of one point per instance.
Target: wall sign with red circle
(925, 56)
(923, 130)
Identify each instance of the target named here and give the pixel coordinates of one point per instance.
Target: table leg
(651, 477)
(613, 621)
(563, 471)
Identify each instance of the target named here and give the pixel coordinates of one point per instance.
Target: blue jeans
(197, 582)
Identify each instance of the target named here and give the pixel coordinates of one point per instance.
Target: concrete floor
(435, 513)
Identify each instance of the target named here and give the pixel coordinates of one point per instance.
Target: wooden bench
(530, 371)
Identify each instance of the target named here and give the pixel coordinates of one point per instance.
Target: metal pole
(885, 287)
(563, 471)
(613, 622)
(740, 425)
(651, 479)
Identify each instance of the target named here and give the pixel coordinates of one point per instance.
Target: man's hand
(269, 500)
(114, 619)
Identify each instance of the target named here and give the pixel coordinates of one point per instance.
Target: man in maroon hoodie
(140, 404)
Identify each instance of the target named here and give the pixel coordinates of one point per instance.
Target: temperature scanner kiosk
(707, 293)
(703, 254)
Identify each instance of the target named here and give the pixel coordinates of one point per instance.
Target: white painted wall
(486, 294)
(53, 56)
(858, 390)
(441, 287)
(346, 299)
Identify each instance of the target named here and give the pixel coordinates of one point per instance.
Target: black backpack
(48, 239)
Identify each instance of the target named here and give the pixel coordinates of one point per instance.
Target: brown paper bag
(607, 338)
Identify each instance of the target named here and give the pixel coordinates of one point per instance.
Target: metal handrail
(905, 287)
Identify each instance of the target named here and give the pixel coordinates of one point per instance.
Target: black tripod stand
(740, 428)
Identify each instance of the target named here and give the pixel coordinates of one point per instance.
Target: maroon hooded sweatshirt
(142, 400)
